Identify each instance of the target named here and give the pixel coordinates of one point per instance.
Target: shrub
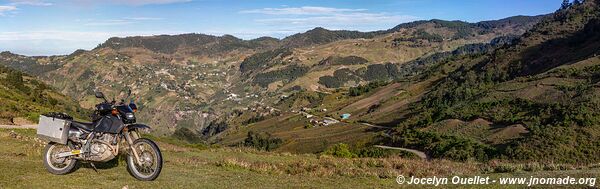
(374, 153)
(362, 89)
(339, 79)
(254, 119)
(262, 141)
(340, 150)
(381, 72)
(260, 60)
(347, 60)
(287, 74)
(15, 80)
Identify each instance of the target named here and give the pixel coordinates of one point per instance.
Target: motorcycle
(114, 124)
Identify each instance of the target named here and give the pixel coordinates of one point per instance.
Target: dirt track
(18, 126)
(422, 155)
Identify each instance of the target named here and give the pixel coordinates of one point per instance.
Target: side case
(53, 129)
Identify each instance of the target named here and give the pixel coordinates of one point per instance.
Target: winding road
(421, 154)
(376, 126)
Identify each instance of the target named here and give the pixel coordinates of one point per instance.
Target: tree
(577, 2)
(262, 141)
(565, 4)
(15, 79)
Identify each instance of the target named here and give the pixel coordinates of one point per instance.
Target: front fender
(139, 126)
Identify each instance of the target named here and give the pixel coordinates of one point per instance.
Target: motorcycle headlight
(129, 116)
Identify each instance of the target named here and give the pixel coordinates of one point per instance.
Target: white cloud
(148, 2)
(123, 21)
(300, 19)
(5, 9)
(342, 19)
(305, 10)
(12, 6)
(144, 18)
(109, 23)
(128, 2)
(30, 2)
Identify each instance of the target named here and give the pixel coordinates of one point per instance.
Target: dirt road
(376, 126)
(422, 155)
(18, 126)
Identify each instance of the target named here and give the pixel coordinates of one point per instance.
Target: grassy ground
(194, 167)
(21, 167)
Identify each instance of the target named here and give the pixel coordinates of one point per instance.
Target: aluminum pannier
(53, 129)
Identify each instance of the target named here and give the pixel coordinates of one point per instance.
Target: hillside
(318, 36)
(23, 98)
(190, 44)
(539, 95)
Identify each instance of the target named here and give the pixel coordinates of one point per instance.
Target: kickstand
(93, 166)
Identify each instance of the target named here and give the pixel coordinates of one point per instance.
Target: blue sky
(49, 27)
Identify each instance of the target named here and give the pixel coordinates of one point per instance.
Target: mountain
(217, 88)
(320, 35)
(193, 44)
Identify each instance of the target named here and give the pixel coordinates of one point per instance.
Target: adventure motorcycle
(113, 125)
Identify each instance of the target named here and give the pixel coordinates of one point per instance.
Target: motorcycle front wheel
(150, 158)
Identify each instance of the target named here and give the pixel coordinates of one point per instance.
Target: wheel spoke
(148, 156)
(149, 165)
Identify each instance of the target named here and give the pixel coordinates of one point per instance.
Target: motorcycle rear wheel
(56, 165)
(150, 158)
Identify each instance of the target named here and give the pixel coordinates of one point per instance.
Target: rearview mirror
(99, 95)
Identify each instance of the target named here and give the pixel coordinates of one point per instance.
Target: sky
(56, 27)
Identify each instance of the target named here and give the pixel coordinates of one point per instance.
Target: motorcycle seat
(83, 125)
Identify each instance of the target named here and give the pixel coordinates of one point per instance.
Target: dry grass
(327, 166)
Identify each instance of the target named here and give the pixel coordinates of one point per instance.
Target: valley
(204, 78)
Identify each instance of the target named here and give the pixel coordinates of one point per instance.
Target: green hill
(23, 97)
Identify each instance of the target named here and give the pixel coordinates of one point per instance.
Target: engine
(104, 148)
